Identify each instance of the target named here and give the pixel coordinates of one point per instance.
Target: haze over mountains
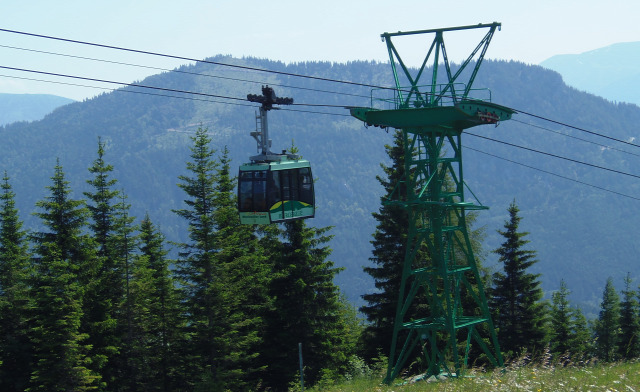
(28, 107)
(582, 233)
(612, 72)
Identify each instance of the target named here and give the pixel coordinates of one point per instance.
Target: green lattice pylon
(439, 264)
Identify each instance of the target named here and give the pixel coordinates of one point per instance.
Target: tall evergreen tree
(205, 298)
(561, 328)
(246, 272)
(157, 321)
(105, 292)
(607, 325)
(516, 297)
(122, 244)
(629, 345)
(15, 304)
(307, 308)
(389, 243)
(64, 266)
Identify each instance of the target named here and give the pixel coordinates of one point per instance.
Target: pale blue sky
(289, 30)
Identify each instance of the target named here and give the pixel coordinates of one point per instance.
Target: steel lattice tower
(439, 262)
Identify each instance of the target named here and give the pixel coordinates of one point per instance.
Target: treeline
(91, 301)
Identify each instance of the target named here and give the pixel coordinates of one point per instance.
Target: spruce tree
(389, 243)
(15, 305)
(629, 344)
(157, 321)
(122, 244)
(516, 297)
(582, 342)
(307, 308)
(64, 267)
(246, 273)
(561, 328)
(607, 325)
(205, 298)
(105, 292)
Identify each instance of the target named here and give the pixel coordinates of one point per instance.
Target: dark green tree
(561, 321)
(515, 299)
(156, 321)
(64, 266)
(122, 245)
(15, 305)
(582, 343)
(629, 344)
(105, 292)
(569, 332)
(206, 301)
(307, 308)
(246, 273)
(607, 325)
(389, 243)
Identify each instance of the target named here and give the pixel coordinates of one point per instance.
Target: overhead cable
(555, 156)
(189, 59)
(179, 71)
(553, 174)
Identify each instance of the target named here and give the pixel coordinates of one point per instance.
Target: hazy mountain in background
(583, 233)
(28, 107)
(612, 72)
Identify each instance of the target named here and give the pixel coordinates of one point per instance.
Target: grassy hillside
(532, 378)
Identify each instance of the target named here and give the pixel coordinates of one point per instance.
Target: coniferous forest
(140, 276)
(91, 300)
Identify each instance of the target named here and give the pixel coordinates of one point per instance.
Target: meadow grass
(611, 377)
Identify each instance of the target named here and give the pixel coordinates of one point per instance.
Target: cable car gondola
(273, 187)
(275, 192)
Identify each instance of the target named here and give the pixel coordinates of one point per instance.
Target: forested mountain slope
(582, 234)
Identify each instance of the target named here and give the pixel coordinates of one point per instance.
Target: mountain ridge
(612, 72)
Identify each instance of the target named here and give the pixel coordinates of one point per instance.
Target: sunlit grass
(616, 377)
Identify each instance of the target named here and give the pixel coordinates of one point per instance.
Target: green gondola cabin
(273, 192)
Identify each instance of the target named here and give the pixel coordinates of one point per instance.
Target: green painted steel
(432, 119)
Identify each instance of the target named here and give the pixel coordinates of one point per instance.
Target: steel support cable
(172, 96)
(120, 83)
(576, 128)
(555, 156)
(191, 59)
(553, 174)
(179, 71)
(575, 137)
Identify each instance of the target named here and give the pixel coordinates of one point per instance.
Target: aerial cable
(121, 83)
(553, 174)
(179, 71)
(576, 128)
(575, 137)
(168, 96)
(192, 59)
(555, 156)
